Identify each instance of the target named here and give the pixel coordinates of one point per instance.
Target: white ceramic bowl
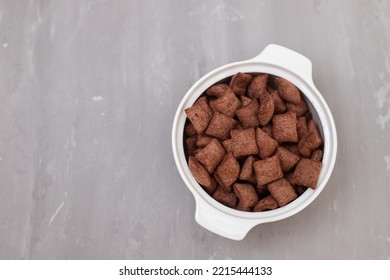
(278, 61)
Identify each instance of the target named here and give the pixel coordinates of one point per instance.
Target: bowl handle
(221, 223)
(288, 59)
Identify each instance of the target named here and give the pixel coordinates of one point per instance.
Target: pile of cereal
(251, 143)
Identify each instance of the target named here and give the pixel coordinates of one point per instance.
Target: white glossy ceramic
(282, 62)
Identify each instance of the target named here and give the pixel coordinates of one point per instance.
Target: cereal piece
(257, 87)
(203, 140)
(248, 114)
(268, 170)
(285, 127)
(292, 148)
(212, 106)
(316, 155)
(301, 127)
(220, 126)
(211, 189)
(190, 145)
(202, 103)
(288, 91)
(299, 109)
(228, 145)
(247, 173)
(199, 115)
(311, 141)
(200, 173)
(240, 207)
(265, 144)
(268, 129)
(211, 155)
(282, 191)
(228, 199)
(217, 90)
(227, 104)
(245, 100)
(280, 107)
(247, 196)
(307, 173)
(287, 159)
(190, 130)
(267, 203)
(244, 142)
(228, 171)
(239, 83)
(312, 127)
(266, 109)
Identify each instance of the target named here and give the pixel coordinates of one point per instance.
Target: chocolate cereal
(251, 142)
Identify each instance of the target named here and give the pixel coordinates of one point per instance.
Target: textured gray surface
(88, 93)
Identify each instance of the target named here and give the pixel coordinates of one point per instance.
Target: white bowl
(278, 61)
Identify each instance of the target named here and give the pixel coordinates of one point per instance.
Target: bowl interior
(317, 106)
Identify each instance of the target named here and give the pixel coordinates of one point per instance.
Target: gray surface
(88, 93)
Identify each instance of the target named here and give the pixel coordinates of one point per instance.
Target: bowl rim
(316, 102)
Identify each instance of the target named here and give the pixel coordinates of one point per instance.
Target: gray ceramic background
(88, 94)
